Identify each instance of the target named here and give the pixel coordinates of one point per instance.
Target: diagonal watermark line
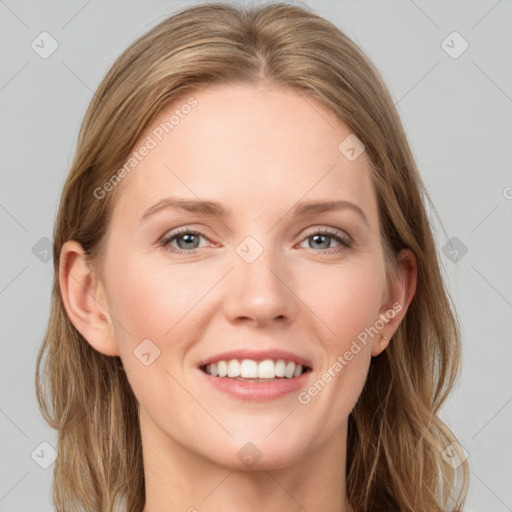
(14, 218)
(417, 83)
(280, 423)
(485, 14)
(13, 279)
(200, 404)
(286, 490)
(501, 408)
(395, 103)
(14, 76)
(192, 307)
(14, 423)
(305, 194)
(77, 76)
(491, 490)
(3, 2)
(304, 97)
(14, 485)
(442, 227)
(492, 81)
(484, 218)
(502, 296)
(221, 482)
(334, 334)
(76, 14)
(424, 14)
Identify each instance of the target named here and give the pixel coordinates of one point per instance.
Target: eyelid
(330, 231)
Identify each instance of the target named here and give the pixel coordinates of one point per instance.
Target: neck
(178, 478)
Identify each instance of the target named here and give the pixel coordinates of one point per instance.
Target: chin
(258, 452)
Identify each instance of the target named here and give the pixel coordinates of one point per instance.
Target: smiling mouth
(249, 370)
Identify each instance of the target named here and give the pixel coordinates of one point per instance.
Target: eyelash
(345, 243)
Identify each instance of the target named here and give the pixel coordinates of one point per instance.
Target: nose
(260, 291)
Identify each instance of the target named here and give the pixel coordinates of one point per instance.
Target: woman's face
(270, 277)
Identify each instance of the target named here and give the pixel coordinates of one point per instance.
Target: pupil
(316, 237)
(188, 238)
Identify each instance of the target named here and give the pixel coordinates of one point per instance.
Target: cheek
(154, 310)
(345, 298)
(152, 303)
(347, 301)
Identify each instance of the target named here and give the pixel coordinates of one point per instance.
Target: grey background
(458, 116)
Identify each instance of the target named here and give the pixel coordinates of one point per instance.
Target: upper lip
(256, 355)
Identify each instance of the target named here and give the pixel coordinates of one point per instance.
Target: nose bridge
(258, 282)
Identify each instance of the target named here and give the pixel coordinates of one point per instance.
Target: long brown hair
(395, 436)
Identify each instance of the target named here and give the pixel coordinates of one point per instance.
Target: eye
(321, 238)
(186, 239)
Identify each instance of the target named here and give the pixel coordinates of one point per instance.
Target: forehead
(246, 147)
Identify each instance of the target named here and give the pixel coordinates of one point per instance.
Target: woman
(295, 355)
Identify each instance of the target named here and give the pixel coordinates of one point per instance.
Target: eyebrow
(215, 209)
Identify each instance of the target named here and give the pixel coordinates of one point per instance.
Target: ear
(399, 295)
(84, 299)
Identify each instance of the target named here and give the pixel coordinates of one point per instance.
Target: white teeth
(280, 367)
(290, 368)
(266, 369)
(222, 368)
(250, 369)
(234, 368)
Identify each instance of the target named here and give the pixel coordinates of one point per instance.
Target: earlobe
(400, 295)
(84, 300)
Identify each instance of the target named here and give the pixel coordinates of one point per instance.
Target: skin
(258, 150)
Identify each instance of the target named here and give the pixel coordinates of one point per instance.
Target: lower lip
(261, 391)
